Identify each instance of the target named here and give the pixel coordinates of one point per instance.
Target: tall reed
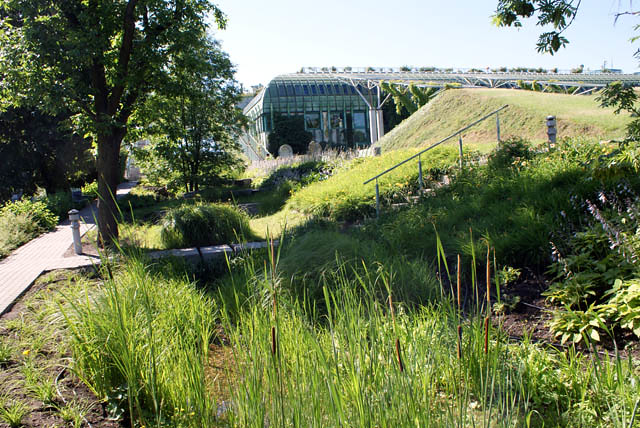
(141, 343)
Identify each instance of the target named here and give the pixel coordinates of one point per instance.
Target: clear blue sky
(267, 38)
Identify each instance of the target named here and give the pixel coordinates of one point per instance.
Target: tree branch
(126, 48)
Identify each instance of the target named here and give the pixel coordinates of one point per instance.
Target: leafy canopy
(190, 123)
(559, 14)
(100, 59)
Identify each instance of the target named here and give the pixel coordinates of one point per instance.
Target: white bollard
(74, 217)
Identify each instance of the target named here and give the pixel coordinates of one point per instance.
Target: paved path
(24, 265)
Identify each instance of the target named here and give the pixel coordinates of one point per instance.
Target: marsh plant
(359, 357)
(141, 343)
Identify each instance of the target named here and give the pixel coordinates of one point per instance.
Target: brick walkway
(24, 265)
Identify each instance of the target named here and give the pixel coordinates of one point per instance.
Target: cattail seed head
(399, 356)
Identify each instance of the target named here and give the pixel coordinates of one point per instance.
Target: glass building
(341, 107)
(335, 112)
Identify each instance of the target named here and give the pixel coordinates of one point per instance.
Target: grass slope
(525, 117)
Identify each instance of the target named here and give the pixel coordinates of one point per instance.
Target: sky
(268, 38)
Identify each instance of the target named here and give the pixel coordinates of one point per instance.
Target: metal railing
(418, 155)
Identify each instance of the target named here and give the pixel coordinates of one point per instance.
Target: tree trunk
(108, 176)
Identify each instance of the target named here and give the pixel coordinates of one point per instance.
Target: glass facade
(333, 111)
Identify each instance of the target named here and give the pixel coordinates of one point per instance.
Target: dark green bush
(60, 203)
(289, 130)
(21, 221)
(510, 154)
(15, 230)
(203, 224)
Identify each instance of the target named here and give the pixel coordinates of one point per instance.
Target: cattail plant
(459, 280)
(274, 299)
(486, 320)
(393, 320)
(399, 356)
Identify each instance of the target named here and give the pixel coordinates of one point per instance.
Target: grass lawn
(525, 117)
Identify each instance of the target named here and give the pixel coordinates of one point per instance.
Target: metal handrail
(417, 155)
(460, 131)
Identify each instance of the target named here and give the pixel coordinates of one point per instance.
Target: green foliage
(90, 190)
(510, 155)
(40, 150)
(525, 118)
(139, 197)
(623, 98)
(344, 197)
(596, 271)
(518, 212)
(588, 270)
(127, 48)
(339, 363)
(410, 97)
(204, 224)
(13, 412)
(141, 343)
(60, 203)
(574, 325)
(303, 173)
(558, 14)
(288, 130)
(192, 120)
(15, 230)
(625, 304)
(37, 209)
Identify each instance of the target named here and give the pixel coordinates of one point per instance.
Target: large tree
(191, 122)
(99, 59)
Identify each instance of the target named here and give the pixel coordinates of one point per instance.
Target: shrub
(203, 224)
(343, 196)
(139, 197)
(15, 230)
(90, 189)
(304, 173)
(60, 203)
(37, 210)
(289, 130)
(510, 154)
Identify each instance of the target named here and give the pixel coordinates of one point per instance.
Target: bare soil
(70, 391)
(531, 316)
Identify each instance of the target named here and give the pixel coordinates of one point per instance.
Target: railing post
(498, 126)
(460, 150)
(420, 182)
(377, 200)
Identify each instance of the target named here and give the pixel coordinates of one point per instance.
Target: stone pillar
(551, 130)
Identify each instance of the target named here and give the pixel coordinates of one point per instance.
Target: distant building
(335, 112)
(342, 107)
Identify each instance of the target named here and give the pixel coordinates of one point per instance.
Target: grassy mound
(344, 197)
(525, 117)
(518, 206)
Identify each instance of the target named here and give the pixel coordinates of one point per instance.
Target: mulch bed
(70, 390)
(530, 318)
